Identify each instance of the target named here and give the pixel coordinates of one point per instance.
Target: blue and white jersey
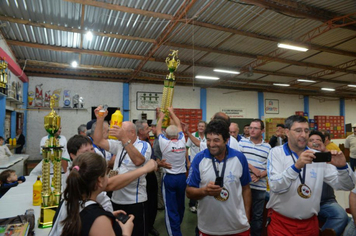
(135, 192)
(173, 150)
(283, 179)
(256, 155)
(216, 217)
(193, 148)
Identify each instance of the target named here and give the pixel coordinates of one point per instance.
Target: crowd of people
(224, 174)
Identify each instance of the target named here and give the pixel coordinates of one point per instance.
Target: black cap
(280, 125)
(90, 123)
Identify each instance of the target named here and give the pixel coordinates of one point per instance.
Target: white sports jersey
(284, 181)
(256, 155)
(216, 217)
(135, 192)
(193, 148)
(174, 152)
(232, 143)
(62, 142)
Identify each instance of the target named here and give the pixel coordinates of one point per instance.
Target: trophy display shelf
(13, 100)
(57, 108)
(2, 95)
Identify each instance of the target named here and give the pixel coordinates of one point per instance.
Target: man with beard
(219, 178)
(296, 182)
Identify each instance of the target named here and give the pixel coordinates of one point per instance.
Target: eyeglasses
(254, 128)
(300, 131)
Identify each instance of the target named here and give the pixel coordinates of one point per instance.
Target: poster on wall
(234, 112)
(148, 100)
(271, 106)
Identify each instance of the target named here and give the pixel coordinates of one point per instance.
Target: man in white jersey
(296, 182)
(219, 178)
(232, 142)
(101, 151)
(131, 153)
(193, 151)
(256, 151)
(172, 145)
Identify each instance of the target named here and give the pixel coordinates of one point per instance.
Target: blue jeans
(352, 163)
(335, 217)
(258, 202)
(350, 229)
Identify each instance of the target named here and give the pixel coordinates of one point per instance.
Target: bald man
(131, 153)
(234, 131)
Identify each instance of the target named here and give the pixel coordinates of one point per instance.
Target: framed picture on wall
(148, 100)
(271, 106)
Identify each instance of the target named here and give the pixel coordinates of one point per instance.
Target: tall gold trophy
(51, 152)
(172, 62)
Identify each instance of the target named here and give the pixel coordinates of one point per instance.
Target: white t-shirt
(135, 192)
(350, 143)
(193, 148)
(284, 181)
(62, 142)
(232, 143)
(216, 217)
(173, 150)
(4, 151)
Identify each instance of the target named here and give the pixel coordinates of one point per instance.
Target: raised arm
(175, 119)
(159, 123)
(122, 180)
(98, 132)
(192, 137)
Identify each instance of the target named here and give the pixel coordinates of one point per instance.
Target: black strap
(302, 180)
(223, 169)
(122, 156)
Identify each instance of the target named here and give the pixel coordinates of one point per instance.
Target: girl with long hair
(86, 180)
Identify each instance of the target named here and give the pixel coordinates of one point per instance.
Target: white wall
(318, 107)
(350, 111)
(94, 94)
(218, 99)
(184, 97)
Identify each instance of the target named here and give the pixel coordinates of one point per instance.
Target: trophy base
(46, 218)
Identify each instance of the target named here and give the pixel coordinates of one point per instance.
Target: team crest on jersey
(313, 174)
(231, 177)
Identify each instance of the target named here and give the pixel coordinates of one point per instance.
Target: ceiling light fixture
(206, 77)
(89, 35)
(306, 80)
(74, 64)
(227, 71)
(283, 85)
(328, 89)
(352, 85)
(292, 47)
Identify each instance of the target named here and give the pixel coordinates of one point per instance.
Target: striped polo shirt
(256, 155)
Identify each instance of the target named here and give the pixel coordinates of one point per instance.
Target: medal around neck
(223, 196)
(304, 191)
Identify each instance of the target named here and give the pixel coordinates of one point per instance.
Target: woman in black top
(86, 180)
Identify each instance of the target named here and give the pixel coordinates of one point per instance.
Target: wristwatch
(127, 143)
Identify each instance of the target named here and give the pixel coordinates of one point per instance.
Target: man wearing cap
(350, 147)
(296, 182)
(279, 138)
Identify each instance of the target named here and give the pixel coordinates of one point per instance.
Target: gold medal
(304, 191)
(223, 196)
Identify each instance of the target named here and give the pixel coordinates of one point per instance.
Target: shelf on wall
(2, 95)
(13, 100)
(57, 108)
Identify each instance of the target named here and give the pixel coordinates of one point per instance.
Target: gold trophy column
(51, 152)
(172, 62)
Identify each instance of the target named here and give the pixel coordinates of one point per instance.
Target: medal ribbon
(302, 180)
(223, 169)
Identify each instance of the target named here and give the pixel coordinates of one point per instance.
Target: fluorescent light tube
(74, 64)
(206, 77)
(283, 85)
(306, 80)
(292, 47)
(352, 85)
(328, 89)
(227, 71)
(89, 35)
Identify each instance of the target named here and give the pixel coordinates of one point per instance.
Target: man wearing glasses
(296, 182)
(256, 151)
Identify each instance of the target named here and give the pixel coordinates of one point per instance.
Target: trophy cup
(172, 62)
(51, 152)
